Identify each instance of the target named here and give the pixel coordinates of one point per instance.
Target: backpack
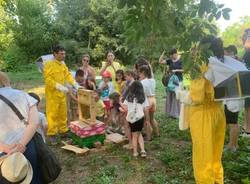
(173, 82)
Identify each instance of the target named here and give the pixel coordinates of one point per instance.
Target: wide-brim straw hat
(16, 168)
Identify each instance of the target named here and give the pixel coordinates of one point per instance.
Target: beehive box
(235, 87)
(83, 130)
(87, 141)
(86, 106)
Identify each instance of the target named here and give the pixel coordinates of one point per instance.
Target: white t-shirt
(42, 125)
(135, 109)
(148, 86)
(12, 128)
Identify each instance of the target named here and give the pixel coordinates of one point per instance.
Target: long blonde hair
(4, 80)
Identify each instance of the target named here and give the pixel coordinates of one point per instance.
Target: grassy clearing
(169, 156)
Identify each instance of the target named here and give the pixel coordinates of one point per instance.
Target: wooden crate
(86, 106)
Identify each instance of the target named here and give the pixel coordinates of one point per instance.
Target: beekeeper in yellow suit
(207, 126)
(56, 76)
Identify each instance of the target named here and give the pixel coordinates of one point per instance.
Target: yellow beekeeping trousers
(207, 125)
(56, 111)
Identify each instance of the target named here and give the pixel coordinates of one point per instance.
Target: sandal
(135, 154)
(143, 154)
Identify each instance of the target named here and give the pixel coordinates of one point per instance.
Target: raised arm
(161, 59)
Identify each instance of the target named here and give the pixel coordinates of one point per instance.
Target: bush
(14, 59)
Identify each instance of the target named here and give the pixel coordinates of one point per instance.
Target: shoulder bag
(50, 167)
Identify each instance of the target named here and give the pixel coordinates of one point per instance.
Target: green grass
(169, 156)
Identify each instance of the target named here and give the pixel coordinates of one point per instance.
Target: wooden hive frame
(86, 106)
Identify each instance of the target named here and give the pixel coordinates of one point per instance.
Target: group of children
(126, 105)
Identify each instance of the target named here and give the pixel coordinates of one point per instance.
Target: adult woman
(15, 135)
(88, 70)
(110, 65)
(207, 123)
(174, 66)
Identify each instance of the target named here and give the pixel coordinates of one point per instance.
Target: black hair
(110, 51)
(58, 48)
(89, 78)
(98, 91)
(121, 72)
(215, 45)
(79, 73)
(116, 100)
(34, 95)
(141, 60)
(131, 73)
(135, 90)
(172, 51)
(145, 69)
(247, 30)
(232, 48)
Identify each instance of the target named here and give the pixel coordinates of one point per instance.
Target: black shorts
(231, 117)
(137, 126)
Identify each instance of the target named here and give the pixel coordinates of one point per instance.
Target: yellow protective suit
(56, 107)
(207, 125)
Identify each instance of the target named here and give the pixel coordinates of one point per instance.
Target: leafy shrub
(14, 59)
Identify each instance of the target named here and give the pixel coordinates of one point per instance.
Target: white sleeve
(43, 119)
(100, 84)
(31, 101)
(125, 102)
(111, 88)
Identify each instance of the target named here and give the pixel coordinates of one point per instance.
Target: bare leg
(134, 143)
(234, 134)
(148, 131)
(154, 123)
(128, 132)
(141, 142)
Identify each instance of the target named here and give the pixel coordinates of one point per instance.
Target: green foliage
(31, 29)
(5, 33)
(130, 27)
(152, 26)
(14, 59)
(233, 34)
(236, 165)
(90, 26)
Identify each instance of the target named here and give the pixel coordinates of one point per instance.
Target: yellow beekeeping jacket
(56, 72)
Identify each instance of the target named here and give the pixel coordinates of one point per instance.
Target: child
(72, 109)
(90, 83)
(42, 129)
(99, 106)
(116, 113)
(145, 75)
(79, 77)
(130, 77)
(106, 86)
(136, 104)
(120, 81)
